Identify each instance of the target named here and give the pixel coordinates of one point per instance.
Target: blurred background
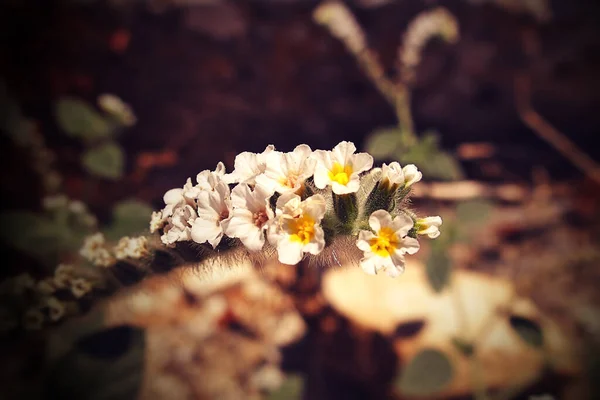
(107, 104)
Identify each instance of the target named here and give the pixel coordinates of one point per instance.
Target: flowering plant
(299, 204)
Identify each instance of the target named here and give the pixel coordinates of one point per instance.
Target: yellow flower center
(302, 229)
(340, 173)
(291, 180)
(385, 243)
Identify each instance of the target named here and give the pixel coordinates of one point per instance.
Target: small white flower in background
(411, 175)
(33, 319)
(429, 226)
(385, 249)
(55, 202)
(94, 251)
(247, 166)
(131, 247)
(250, 216)
(340, 168)
(63, 275)
(287, 171)
(179, 226)
(214, 213)
(77, 207)
(46, 286)
(156, 221)
(80, 287)
(118, 108)
(56, 309)
(297, 227)
(392, 175)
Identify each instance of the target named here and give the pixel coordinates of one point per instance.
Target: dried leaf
(426, 374)
(106, 161)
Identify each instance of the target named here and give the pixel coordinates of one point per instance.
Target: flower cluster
(297, 203)
(96, 250)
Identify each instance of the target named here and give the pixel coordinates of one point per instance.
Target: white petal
(321, 176)
(315, 206)
(364, 237)
(204, 230)
(289, 252)
(173, 196)
(255, 240)
(380, 219)
(368, 265)
(409, 246)
(342, 152)
(351, 187)
(361, 162)
(411, 174)
(402, 224)
(317, 244)
(393, 173)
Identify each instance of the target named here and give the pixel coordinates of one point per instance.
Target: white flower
(411, 175)
(94, 251)
(56, 309)
(131, 247)
(385, 248)
(296, 229)
(247, 166)
(174, 199)
(179, 225)
(207, 180)
(287, 171)
(214, 209)
(157, 221)
(250, 216)
(80, 287)
(116, 107)
(429, 226)
(63, 275)
(340, 168)
(392, 175)
(46, 286)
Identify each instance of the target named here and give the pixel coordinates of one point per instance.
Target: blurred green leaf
(104, 365)
(473, 212)
(431, 160)
(77, 118)
(438, 267)
(106, 161)
(426, 374)
(34, 234)
(383, 143)
(291, 389)
(528, 330)
(130, 217)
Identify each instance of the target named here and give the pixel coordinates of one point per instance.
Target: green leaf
(438, 267)
(35, 234)
(106, 161)
(104, 365)
(76, 118)
(130, 217)
(431, 159)
(426, 374)
(528, 330)
(473, 212)
(291, 389)
(383, 143)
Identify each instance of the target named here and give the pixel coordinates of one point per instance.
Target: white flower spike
(250, 216)
(429, 226)
(297, 227)
(385, 249)
(287, 172)
(340, 168)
